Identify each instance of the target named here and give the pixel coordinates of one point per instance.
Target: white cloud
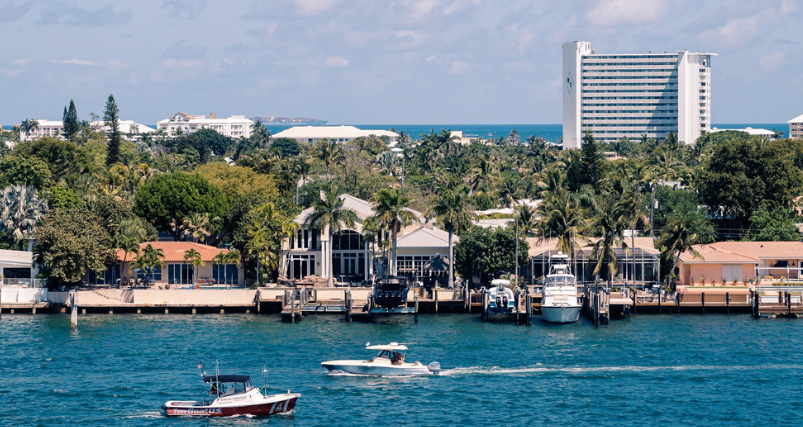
(336, 61)
(458, 67)
(773, 61)
(73, 61)
(20, 62)
(314, 7)
(620, 12)
(184, 63)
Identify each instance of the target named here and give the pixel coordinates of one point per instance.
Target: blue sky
(382, 62)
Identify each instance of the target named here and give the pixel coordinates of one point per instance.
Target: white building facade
(311, 134)
(630, 95)
(796, 127)
(51, 128)
(55, 129)
(233, 126)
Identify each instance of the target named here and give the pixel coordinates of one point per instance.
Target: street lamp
(399, 153)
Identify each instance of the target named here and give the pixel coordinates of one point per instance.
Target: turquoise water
(650, 369)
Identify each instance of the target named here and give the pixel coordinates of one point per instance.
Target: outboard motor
(498, 304)
(504, 302)
(434, 367)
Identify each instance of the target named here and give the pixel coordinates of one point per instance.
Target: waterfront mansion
(353, 258)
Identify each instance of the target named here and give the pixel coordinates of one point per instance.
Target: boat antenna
(265, 377)
(217, 375)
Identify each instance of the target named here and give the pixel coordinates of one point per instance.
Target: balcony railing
(25, 283)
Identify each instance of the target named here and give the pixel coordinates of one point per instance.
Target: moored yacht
(388, 362)
(560, 303)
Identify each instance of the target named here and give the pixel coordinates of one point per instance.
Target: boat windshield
(222, 388)
(560, 280)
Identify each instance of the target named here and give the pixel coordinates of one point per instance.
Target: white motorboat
(232, 395)
(500, 298)
(388, 362)
(560, 303)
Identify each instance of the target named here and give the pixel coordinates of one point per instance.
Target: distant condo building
(234, 126)
(630, 95)
(55, 129)
(310, 134)
(796, 127)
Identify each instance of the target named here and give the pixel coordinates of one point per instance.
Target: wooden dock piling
(702, 296)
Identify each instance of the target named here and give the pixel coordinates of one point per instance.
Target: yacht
(388, 362)
(232, 395)
(500, 298)
(560, 303)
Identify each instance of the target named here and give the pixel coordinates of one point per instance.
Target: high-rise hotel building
(630, 95)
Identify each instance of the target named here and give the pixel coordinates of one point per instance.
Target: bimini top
(226, 378)
(560, 256)
(386, 347)
(500, 282)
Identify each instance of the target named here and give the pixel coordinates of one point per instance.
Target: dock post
(468, 297)
(659, 301)
(677, 301)
(528, 300)
(789, 304)
(727, 302)
(435, 291)
(73, 312)
(259, 301)
(635, 301)
(702, 295)
(415, 297)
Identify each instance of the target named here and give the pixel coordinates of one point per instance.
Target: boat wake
(582, 370)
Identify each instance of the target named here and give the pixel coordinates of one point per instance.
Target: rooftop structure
(234, 126)
(796, 127)
(629, 95)
(310, 134)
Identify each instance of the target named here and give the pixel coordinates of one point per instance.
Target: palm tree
(563, 218)
(328, 151)
(450, 210)
(198, 225)
(148, 259)
(507, 193)
(195, 259)
(526, 218)
(301, 167)
(607, 226)
(129, 245)
(630, 211)
(676, 238)
(393, 213)
(230, 257)
(22, 210)
(29, 125)
(666, 166)
(329, 214)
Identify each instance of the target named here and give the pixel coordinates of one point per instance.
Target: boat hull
(363, 368)
(561, 314)
(274, 405)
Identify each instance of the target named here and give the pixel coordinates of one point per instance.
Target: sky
(377, 62)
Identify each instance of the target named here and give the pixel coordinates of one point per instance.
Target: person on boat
(397, 358)
(214, 389)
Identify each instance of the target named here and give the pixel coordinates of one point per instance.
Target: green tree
(260, 234)
(112, 118)
(148, 260)
(26, 171)
(129, 245)
(23, 209)
(29, 125)
(328, 213)
(561, 217)
(675, 239)
(72, 242)
(450, 210)
(167, 199)
(772, 226)
(392, 212)
(195, 258)
(485, 252)
(592, 166)
(227, 258)
(328, 152)
(288, 147)
(60, 197)
(608, 227)
(198, 226)
(70, 122)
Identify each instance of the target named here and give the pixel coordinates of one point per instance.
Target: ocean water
(714, 370)
(550, 132)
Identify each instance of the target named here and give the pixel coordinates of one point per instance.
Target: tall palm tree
(561, 217)
(630, 211)
(301, 167)
(329, 152)
(450, 210)
(148, 260)
(22, 210)
(607, 226)
(676, 238)
(231, 257)
(392, 211)
(666, 166)
(328, 213)
(198, 225)
(194, 257)
(527, 218)
(129, 245)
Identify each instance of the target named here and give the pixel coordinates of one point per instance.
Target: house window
(156, 274)
(179, 274)
(227, 274)
(781, 263)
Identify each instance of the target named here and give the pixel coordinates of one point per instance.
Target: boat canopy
(226, 378)
(500, 282)
(386, 347)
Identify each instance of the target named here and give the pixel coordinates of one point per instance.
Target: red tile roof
(745, 252)
(174, 251)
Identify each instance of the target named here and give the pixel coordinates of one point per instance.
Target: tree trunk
(652, 207)
(331, 282)
(451, 258)
(394, 270)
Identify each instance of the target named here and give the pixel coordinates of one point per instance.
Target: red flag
(199, 366)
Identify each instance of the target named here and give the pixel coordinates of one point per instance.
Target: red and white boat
(233, 395)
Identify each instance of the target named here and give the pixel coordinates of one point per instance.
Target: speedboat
(560, 303)
(233, 395)
(390, 295)
(388, 362)
(500, 298)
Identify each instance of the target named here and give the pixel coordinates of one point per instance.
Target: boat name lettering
(196, 411)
